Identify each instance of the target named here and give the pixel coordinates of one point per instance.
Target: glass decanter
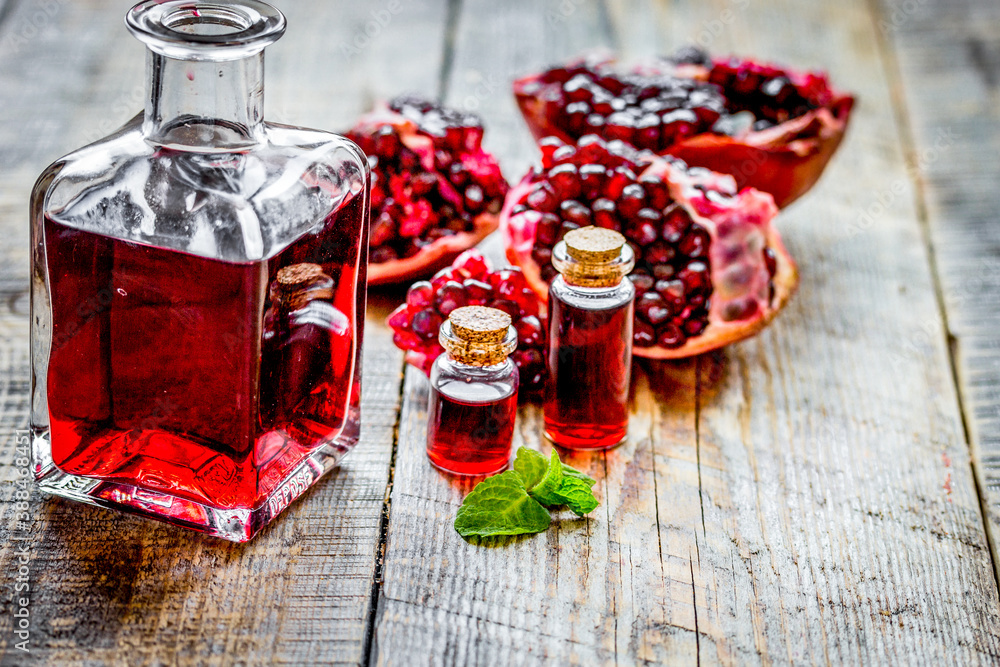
(198, 290)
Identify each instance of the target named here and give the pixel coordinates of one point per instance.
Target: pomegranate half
(770, 127)
(435, 191)
(711, 269)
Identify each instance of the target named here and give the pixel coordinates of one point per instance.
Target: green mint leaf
(575, 493)
(500, 505)
(531, 466)
(544, 492)
(573, 472)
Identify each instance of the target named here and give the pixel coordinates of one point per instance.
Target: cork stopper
(298, 284)
(593, 257)
(297, 276)
(594, 245)
(478, 336)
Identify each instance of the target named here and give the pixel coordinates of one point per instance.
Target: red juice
(468, 437)
(178, 374)
(590, 360)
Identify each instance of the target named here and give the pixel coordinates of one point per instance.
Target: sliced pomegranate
(435, 191)
(710, 267)
(470, 281)
(772, 128)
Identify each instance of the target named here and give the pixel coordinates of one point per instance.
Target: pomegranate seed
(406, 340)
(695, 243)
(695, 276)
(548, 229)
(543, 198)
(507, 306)
(576, 117)
(670, 336)
(472, 264)
(672, 291)
(420, 295)
(643, 334)
(426, 323)
(563, 154)
(441, 277)
(642, 283)
(664, 271)
(658, 252)
(618, 180)
(594, 123)
(675, 224)
(592, 179)
(451, 296)
(542, 256)
(652, 307)
(548, 146)
(477, 292)
(656, 192)
(632, 198)
(529, 331)
(770, 260)
(591, 148)
(642, 233)
(401, 318)
(576, 213)
(387, 143)
(605, 213)
(565, 181)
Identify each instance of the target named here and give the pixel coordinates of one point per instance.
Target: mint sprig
(515, 502)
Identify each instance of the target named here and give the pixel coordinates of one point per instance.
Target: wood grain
(802, 497)
(116, 590)
(947, 60)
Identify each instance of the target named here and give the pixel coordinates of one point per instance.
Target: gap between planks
(907, 140)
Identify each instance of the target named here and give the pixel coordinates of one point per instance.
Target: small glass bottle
(590, 340)
(198, 290)
(473, 398)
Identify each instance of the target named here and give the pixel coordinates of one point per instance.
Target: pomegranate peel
(688, 106)
(435, 192)
(713, 265)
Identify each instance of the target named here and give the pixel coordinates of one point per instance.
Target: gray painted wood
(802, 497)
(112, 589)
(947, 58)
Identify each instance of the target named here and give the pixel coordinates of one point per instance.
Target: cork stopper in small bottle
(593, 257)
(478, 336)
(298, 284)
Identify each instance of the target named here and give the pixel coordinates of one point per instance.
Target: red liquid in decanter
(183, 375)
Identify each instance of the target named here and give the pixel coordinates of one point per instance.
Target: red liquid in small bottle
(163, 372)
(466, 437)
(590, 361)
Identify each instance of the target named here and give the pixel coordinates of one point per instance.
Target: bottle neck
(202, 104)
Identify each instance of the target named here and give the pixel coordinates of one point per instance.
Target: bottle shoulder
(232, 205)
(474, 384)
(592, 298)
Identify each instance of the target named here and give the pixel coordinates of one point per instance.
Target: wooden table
(828, 492)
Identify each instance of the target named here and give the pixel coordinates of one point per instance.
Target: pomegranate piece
(710, 267)
(435, 191)
(770, 127)
(471, 281)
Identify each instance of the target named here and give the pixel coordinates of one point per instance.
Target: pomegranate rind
(785, 160)
(439, 253)
(740, 225)
(433, 256)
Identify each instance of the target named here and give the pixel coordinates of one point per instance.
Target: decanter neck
(204, 104)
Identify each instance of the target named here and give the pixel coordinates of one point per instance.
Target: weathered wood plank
(802, 497)
(111, 589)
(948, 60)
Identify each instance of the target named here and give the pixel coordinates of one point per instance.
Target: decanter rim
(216, 31)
